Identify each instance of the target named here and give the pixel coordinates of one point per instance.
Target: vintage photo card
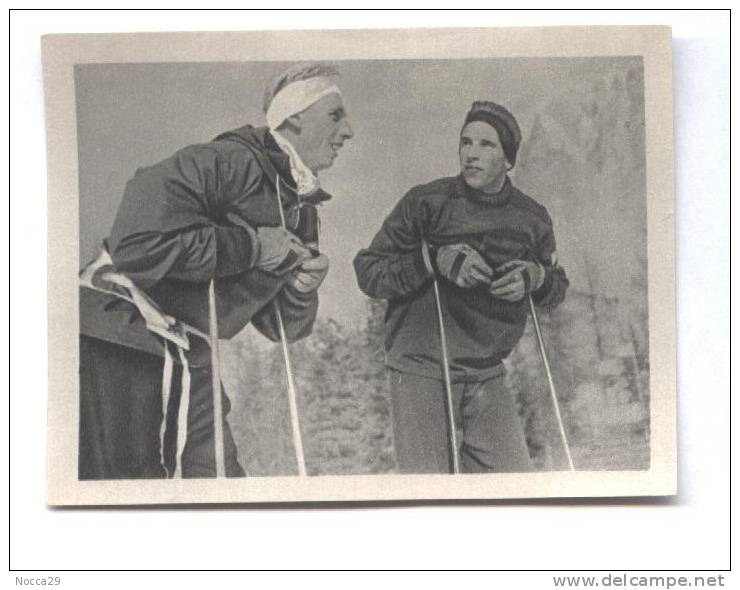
(363, 265)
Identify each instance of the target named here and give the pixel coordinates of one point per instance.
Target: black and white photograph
(424, 265)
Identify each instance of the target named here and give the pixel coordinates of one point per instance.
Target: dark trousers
(121, 413)
(490, 434)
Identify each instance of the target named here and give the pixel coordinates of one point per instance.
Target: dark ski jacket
(481, 330)
(171, 236)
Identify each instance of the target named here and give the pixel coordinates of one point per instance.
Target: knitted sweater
(481, 330)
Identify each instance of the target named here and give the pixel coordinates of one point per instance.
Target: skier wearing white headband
(306, 117)
(210, 212)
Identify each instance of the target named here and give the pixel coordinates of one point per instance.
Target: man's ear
(293, 123)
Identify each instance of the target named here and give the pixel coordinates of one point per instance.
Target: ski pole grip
(426, 256)
(308, 227)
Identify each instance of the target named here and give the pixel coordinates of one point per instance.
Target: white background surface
(690, 532)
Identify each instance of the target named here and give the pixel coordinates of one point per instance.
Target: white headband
(297, 97)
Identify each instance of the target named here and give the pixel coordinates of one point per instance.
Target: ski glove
(462, 265)
(520, 277)
(309, 275)
(276, 250)
(279, 250)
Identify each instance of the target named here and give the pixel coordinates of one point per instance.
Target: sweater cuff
(540, 294)
(237, 250)
(416, 267)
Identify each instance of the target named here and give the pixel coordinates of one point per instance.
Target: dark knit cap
(502, 121)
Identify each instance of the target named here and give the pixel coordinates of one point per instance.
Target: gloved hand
(279, 250)
(463, 266)
(309, 275)
(520, 277)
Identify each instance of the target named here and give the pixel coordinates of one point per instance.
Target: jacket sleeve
(171, 220)
(393, 265)
(298, 311)
(552, 291)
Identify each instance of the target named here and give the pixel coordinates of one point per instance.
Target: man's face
(323, 130)
(482, 160)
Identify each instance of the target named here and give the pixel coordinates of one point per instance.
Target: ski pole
(292, 397)
(445, 369)
(218, 413)
(551, 383)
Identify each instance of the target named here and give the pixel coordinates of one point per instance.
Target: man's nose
(472, 153)
(346, 130)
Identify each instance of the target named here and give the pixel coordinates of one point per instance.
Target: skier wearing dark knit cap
(490, 247)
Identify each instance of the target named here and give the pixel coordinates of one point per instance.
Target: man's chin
(325, 164)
